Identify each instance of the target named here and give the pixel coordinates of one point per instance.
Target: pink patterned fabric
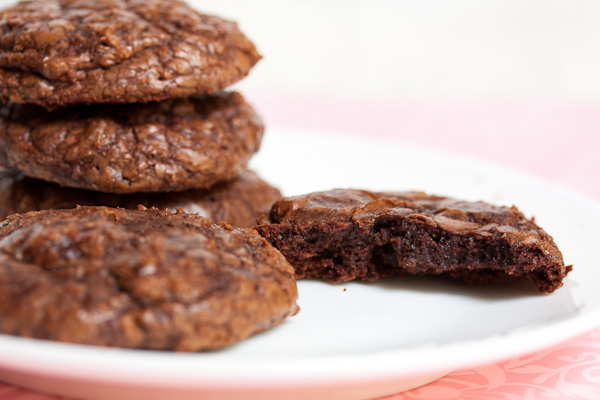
(571, 370)
(557, 141)
(567, 371)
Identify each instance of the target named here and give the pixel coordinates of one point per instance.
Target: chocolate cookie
(124, 148)
(139, 279)
(237, 202)
(58, 52)
(347, 234)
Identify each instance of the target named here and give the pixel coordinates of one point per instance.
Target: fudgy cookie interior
(341, 235)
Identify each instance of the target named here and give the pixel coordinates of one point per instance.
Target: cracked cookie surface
(138, 279)
(171, 145)
(58, 52)
(346, 234)
(237, 202)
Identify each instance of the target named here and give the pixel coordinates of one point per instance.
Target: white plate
(356, 340)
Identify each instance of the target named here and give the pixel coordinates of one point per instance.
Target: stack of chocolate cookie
(120, 103)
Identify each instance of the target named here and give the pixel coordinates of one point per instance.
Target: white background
(465, 50)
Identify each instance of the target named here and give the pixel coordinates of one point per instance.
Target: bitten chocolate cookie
(237, 202)
(124, 148)
(139, 279)
(341, 234)
(58, 52)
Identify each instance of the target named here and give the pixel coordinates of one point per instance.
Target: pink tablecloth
(560, 142)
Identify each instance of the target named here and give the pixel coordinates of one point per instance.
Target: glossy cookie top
(171, 145)
(58, 52)
(453, 215)
(141, 279)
